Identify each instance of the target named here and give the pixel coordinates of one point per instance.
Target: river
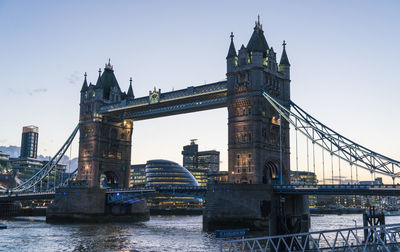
(161, 233)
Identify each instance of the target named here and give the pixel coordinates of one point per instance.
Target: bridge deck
(379, 190)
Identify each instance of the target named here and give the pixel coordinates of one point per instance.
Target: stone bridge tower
(104, 142)
(258, 146)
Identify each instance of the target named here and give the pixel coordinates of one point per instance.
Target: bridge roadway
(200, 191)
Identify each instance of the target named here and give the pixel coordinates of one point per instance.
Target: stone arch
(271, 172)
(109, 179)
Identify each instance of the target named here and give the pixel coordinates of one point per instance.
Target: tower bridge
(260, 113)
(258, 144)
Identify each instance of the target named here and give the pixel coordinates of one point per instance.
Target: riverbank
(338, 211)
(176, 211)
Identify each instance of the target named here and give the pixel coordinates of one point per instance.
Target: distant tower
(255, 131)
(105, 142)
(29, 142)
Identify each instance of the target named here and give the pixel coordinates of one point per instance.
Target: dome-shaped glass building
(164, 173)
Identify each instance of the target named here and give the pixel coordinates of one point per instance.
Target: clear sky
(344, 57)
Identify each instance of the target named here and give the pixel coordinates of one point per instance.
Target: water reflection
(161, 233)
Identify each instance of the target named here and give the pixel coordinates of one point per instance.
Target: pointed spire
(130, 94)
(84, 86)
(98, 82)
(108, 65)
(284, 57)
(257, 42)
(232, 50)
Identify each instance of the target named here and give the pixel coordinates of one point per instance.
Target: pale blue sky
(344, 57)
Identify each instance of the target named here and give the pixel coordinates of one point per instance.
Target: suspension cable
(356, 173)
(280, 145)
(323, 165)
(46, 169)
(348, 149)
(308, 161)
(313, 149)
(332, 167)
(340, 173)
(351, 173)
(297, 153)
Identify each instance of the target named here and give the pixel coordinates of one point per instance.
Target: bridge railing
(378, 238)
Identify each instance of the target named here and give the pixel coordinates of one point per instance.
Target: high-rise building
(138, 175)
(27, 164)
(29, 142)
(200, 163)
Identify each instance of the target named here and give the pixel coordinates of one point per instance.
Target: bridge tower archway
(109, 179)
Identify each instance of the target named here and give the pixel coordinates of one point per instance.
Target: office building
(29, 142)
(303, 178)
(138, 175)
(200, 163)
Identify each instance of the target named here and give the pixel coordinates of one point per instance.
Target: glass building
(29, 142)
(138, 175)
(163, 173)
(303, 178)
(200, 163)
(166, 173)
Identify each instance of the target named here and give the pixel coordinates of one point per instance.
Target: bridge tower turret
(105, 142)
(284, 68)
(231, 58)
(258, 141)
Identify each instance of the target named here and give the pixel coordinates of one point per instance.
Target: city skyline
(337, 67)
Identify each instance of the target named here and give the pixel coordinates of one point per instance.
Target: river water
(161, 233)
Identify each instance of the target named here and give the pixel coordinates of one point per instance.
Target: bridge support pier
(10, 209)
(256, 207)
(89, 205)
